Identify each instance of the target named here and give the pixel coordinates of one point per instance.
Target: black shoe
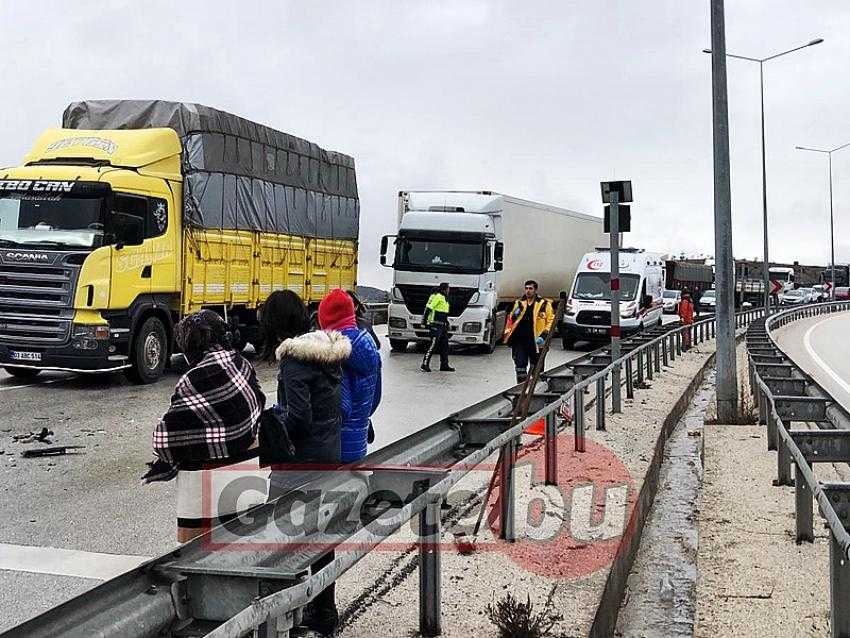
(425, 367)
(446, 369)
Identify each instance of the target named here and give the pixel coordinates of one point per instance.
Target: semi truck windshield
(51, 219)
(447, 256)
(597, 286)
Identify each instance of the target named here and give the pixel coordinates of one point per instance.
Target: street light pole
(831, 216)
(761, 61)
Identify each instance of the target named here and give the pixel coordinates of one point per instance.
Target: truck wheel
(23, 373)
(150, 350)
(398, 345)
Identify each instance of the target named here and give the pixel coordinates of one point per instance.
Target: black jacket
(308, 392)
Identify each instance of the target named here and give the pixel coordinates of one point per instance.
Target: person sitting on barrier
(686, 315)
(309, 395)
(214, 417)
(361, 375)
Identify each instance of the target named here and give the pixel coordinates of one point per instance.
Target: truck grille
(594, 318)
(36, 301)
(415, 298)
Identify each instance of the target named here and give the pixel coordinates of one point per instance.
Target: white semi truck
(485, 245)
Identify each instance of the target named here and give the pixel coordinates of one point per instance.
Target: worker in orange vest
(686, 315)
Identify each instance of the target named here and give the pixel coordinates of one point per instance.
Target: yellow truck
(135, 213)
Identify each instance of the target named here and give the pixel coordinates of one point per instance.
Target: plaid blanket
(215, 411)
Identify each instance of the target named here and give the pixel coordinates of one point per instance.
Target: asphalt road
(819, 345)
(93, 503)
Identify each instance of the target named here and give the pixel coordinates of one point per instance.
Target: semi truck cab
(90, 238)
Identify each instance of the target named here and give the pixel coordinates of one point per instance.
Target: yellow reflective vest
(544, 316)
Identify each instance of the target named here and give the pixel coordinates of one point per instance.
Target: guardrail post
(616, 389)
(648, 364)
(762, 399)
(803, 508)
(664, 360)
(640, 368)
(551, 449)
(600, 403)
(839, 589)
(578, 417)
(656, 355)
(429, 568)
(678, 342)
(672, 347)
(506, 496)
(630, 381)
(783, 461)
(771, 430)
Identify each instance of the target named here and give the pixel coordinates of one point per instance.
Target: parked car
(795, 297)
(671, 300)
(708, 301)
(842, 293)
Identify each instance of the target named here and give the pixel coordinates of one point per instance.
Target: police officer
(436, 318)
(530, 321)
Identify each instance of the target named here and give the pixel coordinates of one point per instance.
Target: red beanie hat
(336, 311)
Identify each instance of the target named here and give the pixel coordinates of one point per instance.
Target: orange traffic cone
(538, 428)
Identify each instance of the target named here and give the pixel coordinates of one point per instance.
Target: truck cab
(89, 253)
(588, 312)
(439, 242)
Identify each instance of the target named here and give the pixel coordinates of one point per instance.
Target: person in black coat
(308, 392)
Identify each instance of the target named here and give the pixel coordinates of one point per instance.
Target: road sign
(623, 190)
(625, 218)
(775, 287)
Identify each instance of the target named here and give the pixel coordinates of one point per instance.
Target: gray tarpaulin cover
(239, 174)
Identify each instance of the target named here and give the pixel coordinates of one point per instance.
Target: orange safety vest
(686, 311)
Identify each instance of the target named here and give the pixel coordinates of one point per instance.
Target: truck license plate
(25, 356)
(599, 331)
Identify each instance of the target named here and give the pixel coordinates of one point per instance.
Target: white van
(588, 312)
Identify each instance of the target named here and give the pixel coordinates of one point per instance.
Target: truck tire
(150, 351)
(23, 373)
(398, 345)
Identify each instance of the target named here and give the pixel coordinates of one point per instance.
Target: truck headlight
(471, 327)
(86, 337)
(570, 310)
(397, 322)
(476, 296)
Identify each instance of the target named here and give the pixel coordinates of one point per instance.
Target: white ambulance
(588, 313)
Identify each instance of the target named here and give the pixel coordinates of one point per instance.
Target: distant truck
(682, 275)
(485, 245)
(588, 311)
(136, 213)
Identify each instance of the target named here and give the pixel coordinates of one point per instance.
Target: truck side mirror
(384, 243)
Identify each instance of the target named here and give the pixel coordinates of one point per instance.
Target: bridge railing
(787, 395)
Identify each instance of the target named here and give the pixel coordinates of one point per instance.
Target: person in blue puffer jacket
(360, 391)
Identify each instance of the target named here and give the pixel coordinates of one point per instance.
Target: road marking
(66, 562)
(807, 342)
(32, 385)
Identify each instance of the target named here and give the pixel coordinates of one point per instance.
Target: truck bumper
(471, 327)
(64, 358)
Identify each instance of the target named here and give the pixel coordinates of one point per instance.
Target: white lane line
(66, 562)
(807, 342)
(32, 385)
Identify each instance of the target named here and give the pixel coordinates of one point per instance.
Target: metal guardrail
(200, 589)
(785, 395)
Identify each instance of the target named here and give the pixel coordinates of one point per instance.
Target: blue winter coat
(360, 393)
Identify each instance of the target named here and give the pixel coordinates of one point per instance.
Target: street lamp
(831, 222)
(761, 62)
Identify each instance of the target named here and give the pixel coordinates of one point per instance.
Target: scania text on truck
(485, 245)
(136, 213)
(588, 312)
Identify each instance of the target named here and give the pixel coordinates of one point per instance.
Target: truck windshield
(597, 286)
(414, 253)
(50, 219)
(780, 276)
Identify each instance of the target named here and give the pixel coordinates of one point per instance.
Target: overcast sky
(536, 99)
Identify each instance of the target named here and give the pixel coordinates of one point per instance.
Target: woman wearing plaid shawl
(214, 416)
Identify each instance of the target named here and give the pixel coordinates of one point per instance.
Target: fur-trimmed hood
(316, 347)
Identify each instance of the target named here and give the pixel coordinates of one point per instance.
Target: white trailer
(485, 245)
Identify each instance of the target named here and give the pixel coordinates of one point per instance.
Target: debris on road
(33, 437)
(50, 451)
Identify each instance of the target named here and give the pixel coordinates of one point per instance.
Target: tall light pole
(761, 62)
(727, 377)
(829, 153)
